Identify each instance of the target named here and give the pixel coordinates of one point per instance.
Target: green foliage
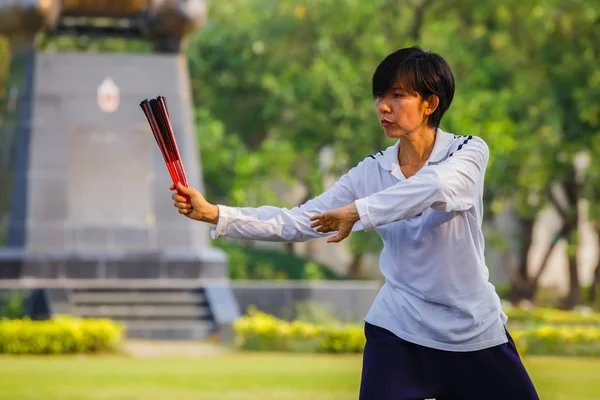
(258, 331)
(11, 305)
(545, 331)
(274, 83)
(296, 76)
(539, 316)
(313, 271)
(502, 290)
(60, 335)
(263, 332)
(242, 376)
(564, 341)
(365, 242)
(4, 65)
(92, 44)
(254, 263)
(284, 76)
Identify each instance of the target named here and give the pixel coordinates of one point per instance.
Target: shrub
(537, 316)
(12, 304)
(562, 340)
(60, 335)
(262, 332)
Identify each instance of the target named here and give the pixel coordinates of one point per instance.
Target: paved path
(153, 348)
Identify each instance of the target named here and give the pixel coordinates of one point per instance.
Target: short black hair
(418, 72)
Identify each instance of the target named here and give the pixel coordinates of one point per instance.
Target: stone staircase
(149, 313)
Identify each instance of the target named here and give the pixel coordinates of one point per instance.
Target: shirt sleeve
(274, 224)
(453, 185)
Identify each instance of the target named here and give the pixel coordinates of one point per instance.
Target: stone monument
(85, 210)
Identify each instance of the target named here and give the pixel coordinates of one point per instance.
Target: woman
(436, 328)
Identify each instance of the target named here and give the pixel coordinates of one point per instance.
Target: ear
(431, 104)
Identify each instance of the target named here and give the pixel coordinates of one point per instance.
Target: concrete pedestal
(83, 187)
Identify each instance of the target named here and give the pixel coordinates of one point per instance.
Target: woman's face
(401, 112)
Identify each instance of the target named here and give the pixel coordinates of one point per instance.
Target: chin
(394, 133)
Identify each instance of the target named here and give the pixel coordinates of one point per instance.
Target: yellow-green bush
(263, 332)
(59, 335)
(260, 331)
(551, 316)
(559, 340)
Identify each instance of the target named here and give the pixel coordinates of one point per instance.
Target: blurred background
(271, 103)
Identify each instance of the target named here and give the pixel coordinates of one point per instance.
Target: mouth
(386, 122)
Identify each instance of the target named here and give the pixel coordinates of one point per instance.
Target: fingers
(183, 207)
(329, 222)
(178, 198)
(323, 226)
(322, 219)
(342, 234)
(184, 189)
(336, 238)
(326, 229)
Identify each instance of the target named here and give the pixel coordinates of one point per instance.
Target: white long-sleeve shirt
(436, 291)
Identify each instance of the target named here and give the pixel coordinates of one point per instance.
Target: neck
(416, 147)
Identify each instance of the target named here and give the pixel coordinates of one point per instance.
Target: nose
(384, 108)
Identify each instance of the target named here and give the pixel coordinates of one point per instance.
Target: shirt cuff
(362, 207)
(220, 228)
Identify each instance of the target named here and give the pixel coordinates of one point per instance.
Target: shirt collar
(440, 150)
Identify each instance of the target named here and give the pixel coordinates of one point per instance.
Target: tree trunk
(596, 280)
(415, 31)
(527, 225)
(572, 221)
(355, 269)
(310, 249)
(595, 285)
(520, 280)
(574, 296)
(290, 248)
(561, 234)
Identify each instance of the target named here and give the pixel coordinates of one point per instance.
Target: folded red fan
(158, 118)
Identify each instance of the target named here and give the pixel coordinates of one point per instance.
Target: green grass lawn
(239, 377)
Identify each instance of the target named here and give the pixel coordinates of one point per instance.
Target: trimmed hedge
(60, 335)
(551, 316)
(562, 340)
(258, 331)
(262, 332)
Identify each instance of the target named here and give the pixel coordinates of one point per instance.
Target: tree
(527, 63)
(292, 77)
(298, 73)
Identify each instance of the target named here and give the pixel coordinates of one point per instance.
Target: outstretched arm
(267, 223)
(453, 185)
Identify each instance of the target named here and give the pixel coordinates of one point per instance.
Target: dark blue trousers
(394, 369)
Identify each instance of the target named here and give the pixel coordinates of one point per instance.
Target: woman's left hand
(340, 220)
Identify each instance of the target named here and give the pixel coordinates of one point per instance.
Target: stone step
(137, 297)
(142, 311)
(148, 312)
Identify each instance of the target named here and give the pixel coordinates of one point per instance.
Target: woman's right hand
(198, 208)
